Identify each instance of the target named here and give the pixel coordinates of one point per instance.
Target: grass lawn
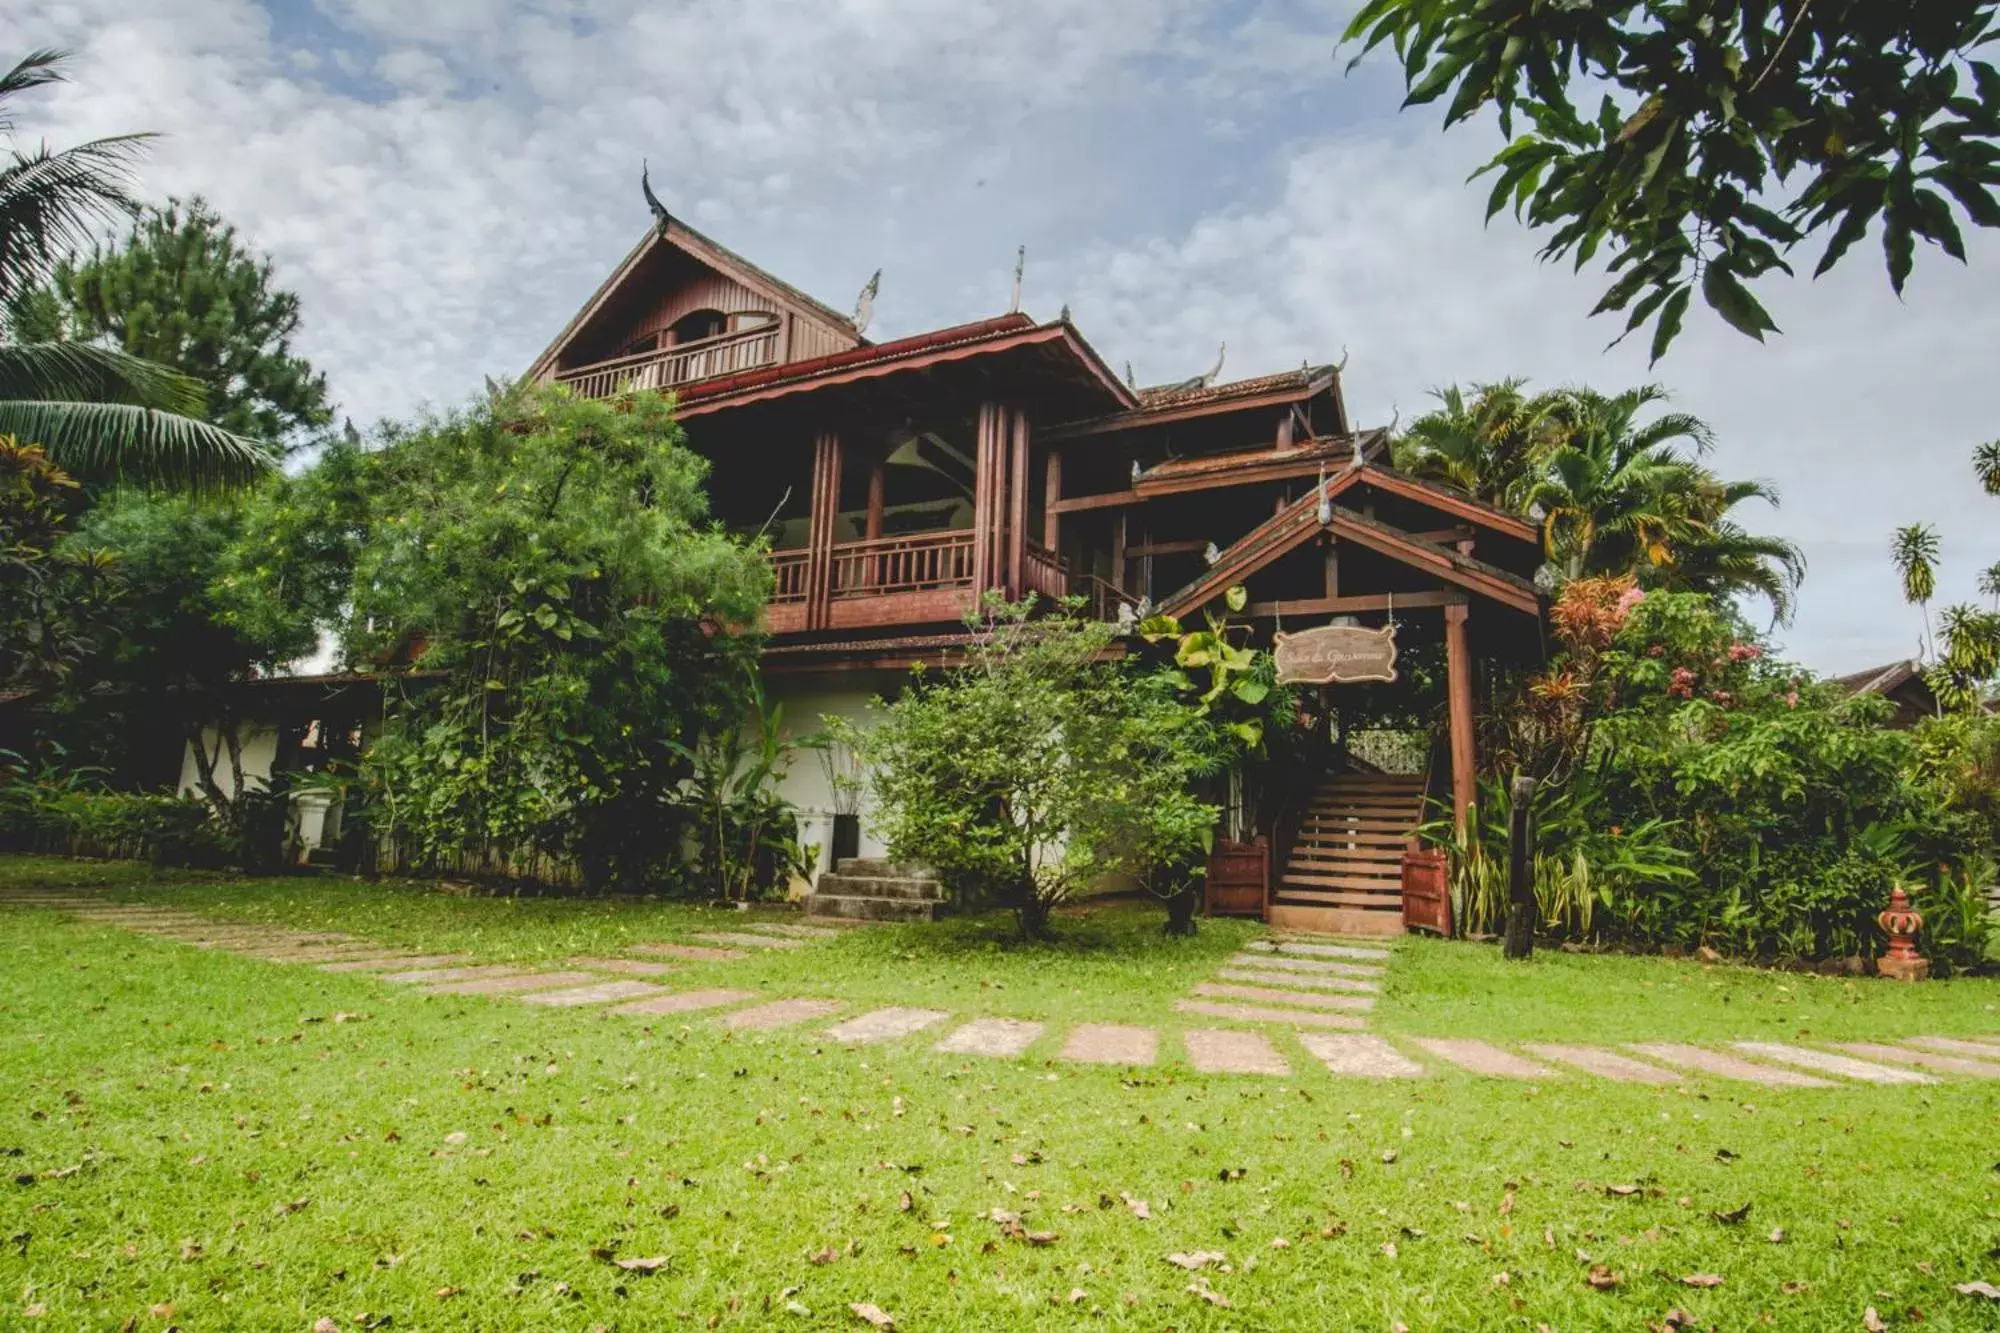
(191, 1140)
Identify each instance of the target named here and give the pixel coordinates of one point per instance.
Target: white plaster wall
(808, 701)
(260, 752)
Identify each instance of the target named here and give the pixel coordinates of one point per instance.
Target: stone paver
(1725, 1066)
(1266, 995)
(797, 931)
(1312, 966)
(1976, 1047)
(1605, 1064)
(693, 953)
(1298, 980)
(1481, 1058)
(1359, 1055)
(512, 982)
(1232, 1051)
(885, 1025)
(1824, 1062)
(389, 962)
(1321, 950)
(778, 1014)
(687, 1001)
(602, 993)
(333, 953)
(1250, 1013)
(1111, 1044)
(429, 975)
(1943, 1064)
(992, 1036)
(634, 967)
(748, 940)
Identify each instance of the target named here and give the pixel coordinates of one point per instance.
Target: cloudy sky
(445, 181)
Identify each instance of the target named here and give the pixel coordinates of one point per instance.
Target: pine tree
(182, 290)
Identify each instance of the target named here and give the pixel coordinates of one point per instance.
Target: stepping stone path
(1605, 1064)
(1313, 966)
(1481, 1058)
(424, 976)
(684, 1002)
(778, 1014)
(1298, 980)
(798, 932)
(992, 1036)
(509, 981)
(1352, 1054)
(1111, 1044)
(389, 962)
(1825, 1063)
(1943, 1064)
(601, 993)
(885, 1025)
(693, 953)
(1250, 1013)
(635, 967)
(1308, 950)
(1725, 1066)
(749, 941)
(1230, 1051)
(1975, 1047)
(1269, 995)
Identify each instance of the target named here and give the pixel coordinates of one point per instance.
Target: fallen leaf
(1077, 1295)
(1388, 1156)
(1621, 1191)
(445, 1293)
(1702, 1280)
(1389, 1249)
(873, 1315)
(652, 1265)
(1198, 1260)
(1733, 1216)
(325, 1325)
(905, 1203)
(1872, 1322)
(1280, 1243)
(456, 1136)
(793, 1307)
(1140, 1208)
(35, 1311)
(1214, 1298)
(1986, 1289)
(1602, 1278)
(825, 1256)
(1794, 1288)
(1507, 1204)
(164, 1310)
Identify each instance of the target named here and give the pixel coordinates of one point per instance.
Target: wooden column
(1458, 681)
(1118, 552)
(986, 484)
(821, 526)
(1017, 502)
(1051, 492)
(878, 482)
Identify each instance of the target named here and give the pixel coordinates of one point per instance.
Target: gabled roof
(1881, 679)
(703, 249)
(983, 337)
(1170, 402)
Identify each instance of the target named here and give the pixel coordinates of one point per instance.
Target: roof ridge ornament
(864, 304)
(661, 218)
(1020, 266)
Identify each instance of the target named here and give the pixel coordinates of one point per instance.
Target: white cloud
(443, 183)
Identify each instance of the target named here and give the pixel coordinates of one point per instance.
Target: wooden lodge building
(900, 480)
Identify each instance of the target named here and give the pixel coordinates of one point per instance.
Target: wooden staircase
(1344, 872)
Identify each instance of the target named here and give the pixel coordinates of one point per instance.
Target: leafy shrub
(73, 821)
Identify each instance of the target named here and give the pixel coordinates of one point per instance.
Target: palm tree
(1986, 463)
(1989, 583)
(1915, 551)
(99, 414)
(1489, 445)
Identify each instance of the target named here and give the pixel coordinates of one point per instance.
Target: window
(697, 325)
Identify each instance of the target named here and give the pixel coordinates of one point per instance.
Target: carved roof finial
(660, 215)
(1020, 266)
(864, 304)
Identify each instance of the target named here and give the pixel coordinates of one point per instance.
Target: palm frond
(1986, 464)
(49, 201)
(104, 443)
(34, 69)
(86, 373)
(1915, 551)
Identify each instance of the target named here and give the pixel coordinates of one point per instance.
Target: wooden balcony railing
(789, 570)
(669, 367)
(1043, 572)
(921, 562)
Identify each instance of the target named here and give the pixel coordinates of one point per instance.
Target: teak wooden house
(898, 481)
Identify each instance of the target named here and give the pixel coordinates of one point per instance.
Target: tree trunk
(1520, 938)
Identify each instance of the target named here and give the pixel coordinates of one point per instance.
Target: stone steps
(872, 889)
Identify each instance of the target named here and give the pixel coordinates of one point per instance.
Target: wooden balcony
(670, 367)
(924, 578)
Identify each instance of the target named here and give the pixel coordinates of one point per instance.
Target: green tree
(1489, 445)
(181, 290)
(1914, 548)
(554, 559)
(1035, 769)
(53, 600)
(1725, 134)
(101, 414)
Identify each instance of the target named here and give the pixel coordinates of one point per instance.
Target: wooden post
(984, 479)
(1520, 938)
(1332, 567)
(1051, 492)
(1017, 503)
(1285, 430)
(878, 485)
(820, 528)
(1458, 682)
(1118, 553)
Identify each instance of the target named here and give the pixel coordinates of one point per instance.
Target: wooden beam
(1167, 548)
(1356, 603)
(1458, 688)
(1017, 508)
(1051, 493)
(1444, 536)
(1458, 506)
(1108, 500)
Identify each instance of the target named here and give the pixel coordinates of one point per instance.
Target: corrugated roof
(1177, 395)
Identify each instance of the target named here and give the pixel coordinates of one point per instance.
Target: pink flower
(1656, 650)
(1744, 652)
(1683, 683)
(1723, 697)
(1628, 599)
(1792, 699)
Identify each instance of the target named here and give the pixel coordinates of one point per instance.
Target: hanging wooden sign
(1337, 655)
